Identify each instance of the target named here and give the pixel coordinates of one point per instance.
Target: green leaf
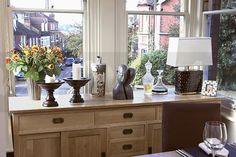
(40, 68)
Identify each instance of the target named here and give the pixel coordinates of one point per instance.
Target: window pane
(49, 29)
(149, 5)
(45, 4)
(28, 4)
(226, 63)
(148, 38)
(68, 4)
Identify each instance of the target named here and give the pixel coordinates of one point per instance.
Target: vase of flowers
(35, 63)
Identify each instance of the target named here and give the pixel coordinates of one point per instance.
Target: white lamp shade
(191, 51)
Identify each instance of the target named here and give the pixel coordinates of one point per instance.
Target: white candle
(50, 79)
(76, 71)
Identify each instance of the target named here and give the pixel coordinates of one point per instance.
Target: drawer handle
(127, 131)
(127, 115)
(127, 146)
(58, 120)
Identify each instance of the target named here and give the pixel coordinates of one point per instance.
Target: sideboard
(100, 127)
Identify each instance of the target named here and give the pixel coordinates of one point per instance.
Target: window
(150, 24)
(48, 23)
(220, 25)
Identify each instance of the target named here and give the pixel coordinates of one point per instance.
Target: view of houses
(36, 28)
(151, 32)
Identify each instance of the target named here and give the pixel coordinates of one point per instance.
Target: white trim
(4, 30)
(91, 36)
(121, 33)
(224, 11)
(46, 10)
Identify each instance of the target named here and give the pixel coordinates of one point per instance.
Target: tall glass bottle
(159, 87)
(148, 79)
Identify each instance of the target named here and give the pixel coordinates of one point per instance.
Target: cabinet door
(84, 143)
(40, 145)
(154, 138)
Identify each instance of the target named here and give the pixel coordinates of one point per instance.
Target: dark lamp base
(188, 82)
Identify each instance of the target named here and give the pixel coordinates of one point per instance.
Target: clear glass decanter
(159, 87)
(148, 79)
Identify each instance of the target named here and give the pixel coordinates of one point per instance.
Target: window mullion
(156, 13)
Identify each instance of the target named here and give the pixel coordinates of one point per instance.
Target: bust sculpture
(122, 89)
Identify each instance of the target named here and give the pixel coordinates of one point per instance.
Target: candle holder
(50, 87)
(76, 84)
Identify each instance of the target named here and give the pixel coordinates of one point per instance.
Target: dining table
(192, 152)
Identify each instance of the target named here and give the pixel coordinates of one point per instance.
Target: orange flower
(51, 66)
(8, 60)
(35, 47)
(59, 60)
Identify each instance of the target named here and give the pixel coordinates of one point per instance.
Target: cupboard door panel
(84, 143)
(40, 145)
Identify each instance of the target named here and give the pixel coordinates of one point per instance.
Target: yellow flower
(49, 50)
(15, 57)
(26, 52)
(51, 66)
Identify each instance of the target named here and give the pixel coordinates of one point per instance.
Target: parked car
(79, 60)
(19, 76)
(69, 61)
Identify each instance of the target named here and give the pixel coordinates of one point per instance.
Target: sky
(64, 18)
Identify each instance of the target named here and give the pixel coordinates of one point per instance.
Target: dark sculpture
(122, 89)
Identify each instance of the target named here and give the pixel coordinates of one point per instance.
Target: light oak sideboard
(100, 127)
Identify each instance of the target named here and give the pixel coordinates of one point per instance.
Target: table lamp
(186, 53)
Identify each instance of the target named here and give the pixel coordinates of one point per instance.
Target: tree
(226, 54)
(74, 41)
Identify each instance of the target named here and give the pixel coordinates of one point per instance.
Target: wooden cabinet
(84, 143)
(40, 145)
(100, 127)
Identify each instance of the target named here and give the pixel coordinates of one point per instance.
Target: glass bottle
(148, 79)
(159, 87)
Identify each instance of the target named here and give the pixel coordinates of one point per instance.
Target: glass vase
(34, 91)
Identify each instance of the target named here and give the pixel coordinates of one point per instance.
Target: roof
(145, 2)
(21, 29)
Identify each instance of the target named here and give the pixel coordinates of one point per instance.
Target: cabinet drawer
(126, 131)
(125, 115)
(39, 122)
(127, 147)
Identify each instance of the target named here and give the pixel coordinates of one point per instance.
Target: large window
(49, 23)
(220, 26)
(150, 24)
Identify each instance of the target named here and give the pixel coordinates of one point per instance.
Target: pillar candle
(50, 79)
(76, 71)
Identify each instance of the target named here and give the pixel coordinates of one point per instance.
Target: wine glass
(215, 136)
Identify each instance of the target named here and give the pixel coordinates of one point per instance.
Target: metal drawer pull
(58, 120)
(127, 146)
(127, 115)
(127, 131)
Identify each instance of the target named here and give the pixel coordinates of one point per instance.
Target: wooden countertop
(25, 105)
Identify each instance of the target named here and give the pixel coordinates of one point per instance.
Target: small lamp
(186, 53)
